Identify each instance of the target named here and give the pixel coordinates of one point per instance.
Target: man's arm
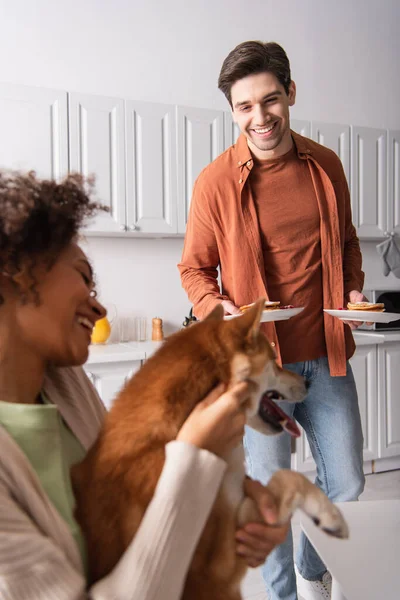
(353, 276)
(200, 258)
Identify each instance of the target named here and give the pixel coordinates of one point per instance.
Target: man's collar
(244, 156)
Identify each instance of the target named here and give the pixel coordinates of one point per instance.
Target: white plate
(280, 314)
(370, 316)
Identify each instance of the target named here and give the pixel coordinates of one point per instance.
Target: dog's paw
(327, 517)
(292, 490)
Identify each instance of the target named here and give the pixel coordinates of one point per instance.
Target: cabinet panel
(33, 125)
(151, 167)
(108, 378)
(364, 365)
(394, 181)
(200, 141)
(337, 138)
(231, 130)
(389, 405)
(301, 127)
(369, 180)
(97, 147)
(304, 460)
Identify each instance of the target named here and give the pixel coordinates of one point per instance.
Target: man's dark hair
(250, 58)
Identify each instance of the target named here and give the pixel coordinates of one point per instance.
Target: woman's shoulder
(77, 399)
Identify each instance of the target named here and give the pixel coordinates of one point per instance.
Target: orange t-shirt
(289, 222)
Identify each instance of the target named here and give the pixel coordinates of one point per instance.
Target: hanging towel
(390, 254)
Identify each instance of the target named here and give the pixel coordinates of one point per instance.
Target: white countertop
(131, 351)
(105, 353)
(363, 337)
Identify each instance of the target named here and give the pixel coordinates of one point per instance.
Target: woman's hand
(257, 540)
(217, 423)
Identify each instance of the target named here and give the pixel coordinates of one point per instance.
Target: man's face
(261, 110)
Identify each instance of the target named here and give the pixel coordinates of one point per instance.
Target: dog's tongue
(286, 422)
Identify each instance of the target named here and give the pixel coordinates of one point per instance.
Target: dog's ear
(249, 323)
(217, 314)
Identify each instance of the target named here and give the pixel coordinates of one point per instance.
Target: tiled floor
(379, 486)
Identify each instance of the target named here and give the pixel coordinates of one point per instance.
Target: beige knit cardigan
(39, 559)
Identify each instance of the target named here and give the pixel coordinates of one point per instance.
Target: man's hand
(257, 540)
(353, 297)
(230, 308)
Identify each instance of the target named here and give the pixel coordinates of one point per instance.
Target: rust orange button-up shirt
(222, 231)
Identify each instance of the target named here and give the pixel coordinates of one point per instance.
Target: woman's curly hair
(39, 218)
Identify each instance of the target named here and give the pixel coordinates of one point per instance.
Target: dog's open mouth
(270, 412)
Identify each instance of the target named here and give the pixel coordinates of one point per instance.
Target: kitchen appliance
(391, 300)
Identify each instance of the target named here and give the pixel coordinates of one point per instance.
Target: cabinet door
(301, 127)
(33, 126)
(364, 365)
(231, 130)
(97, 147)
(304, 462)
(394, 182)
(389, 405)
(369, 181)
(200, 141)
(151, 167)
(337, 138)
(108, 378)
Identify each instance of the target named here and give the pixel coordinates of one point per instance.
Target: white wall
(344, 58)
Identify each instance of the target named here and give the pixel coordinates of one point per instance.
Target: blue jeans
(330, 417)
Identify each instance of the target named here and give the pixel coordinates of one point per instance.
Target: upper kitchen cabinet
(231, 130)
(200, 141)
(369, 181)
(97, 147)
(301, 127)
(33, 127)
(337, 138)
(151, 167)
(393, 215)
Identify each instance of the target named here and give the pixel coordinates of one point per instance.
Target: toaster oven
(391, 300)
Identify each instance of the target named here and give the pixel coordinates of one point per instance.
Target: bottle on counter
(157, 334)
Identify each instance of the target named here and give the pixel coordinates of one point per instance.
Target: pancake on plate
(377, 307)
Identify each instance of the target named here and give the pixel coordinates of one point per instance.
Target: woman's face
(60, 327)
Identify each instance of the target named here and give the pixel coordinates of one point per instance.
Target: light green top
(52, 449)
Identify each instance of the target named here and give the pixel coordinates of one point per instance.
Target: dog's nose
(307, 383)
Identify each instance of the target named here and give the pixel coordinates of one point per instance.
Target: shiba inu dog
(115, 482)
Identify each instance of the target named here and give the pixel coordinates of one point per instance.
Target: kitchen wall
(344, 58)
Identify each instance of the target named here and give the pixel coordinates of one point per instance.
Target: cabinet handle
(122, 227)
(132, 227)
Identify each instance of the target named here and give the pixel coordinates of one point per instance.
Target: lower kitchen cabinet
(376, 369)
(364, 366)
(108, 378)
(388, 401)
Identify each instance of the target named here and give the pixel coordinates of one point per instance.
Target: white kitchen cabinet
(364, 365)
(108, 378)
(97, 147)
(151, 167)
(369, 181)
(200, 141)
(389, 404)
(301, 127)
(393, 215)
(231, 130)
(337, 138)
(33, 126)
(303, 460)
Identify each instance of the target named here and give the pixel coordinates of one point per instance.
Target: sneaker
(314, 590)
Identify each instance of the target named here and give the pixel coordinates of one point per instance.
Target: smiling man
(273, 214)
